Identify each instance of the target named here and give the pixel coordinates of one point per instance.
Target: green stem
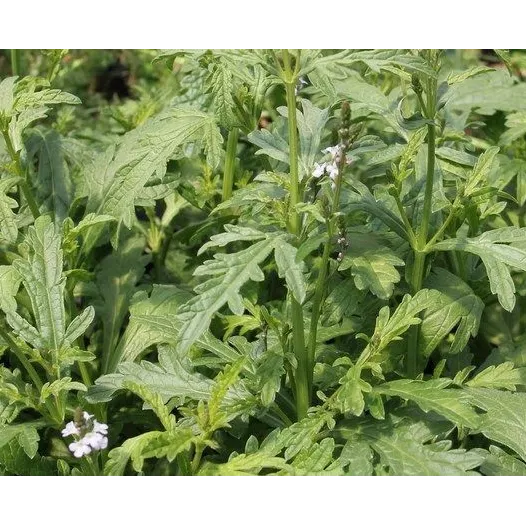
(417, 274)
(428, 196)
(15, 156)
(303, 395)
(199, 448)
(405, 219)
(317, 303)
(84, 373)
(15, 62)
(22, 358)
(322, 275)
(442, 229)
(282, 415)
(230, 163)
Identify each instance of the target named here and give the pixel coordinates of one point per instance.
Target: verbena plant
(264, 262)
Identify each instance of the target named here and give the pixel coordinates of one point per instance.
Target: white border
(263, 24)
(262, 501)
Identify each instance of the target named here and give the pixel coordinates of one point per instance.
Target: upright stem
(15, 156)
(417, 275)
(15, 62)
(301, 377)
(230, 163)
(426, 213)
(322, 275)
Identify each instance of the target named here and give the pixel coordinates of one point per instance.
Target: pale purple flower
(91, 435)
(79, 449)
(70, 429)
(100, 428)
(333, 150)
(319, 170)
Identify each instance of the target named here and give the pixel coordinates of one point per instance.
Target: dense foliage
(263, 262)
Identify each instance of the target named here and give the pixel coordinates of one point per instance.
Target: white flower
(103, 443)
(79, 448)
(319, 170)
(95, 441)
(70, 429)
(100, 428)
(332, 170)
(333, 150)
(90, 434)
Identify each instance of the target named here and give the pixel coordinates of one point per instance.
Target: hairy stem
(15, 157)
(417, 275)
(301, 379)
(196, 461)
(15, 62)
(230, 163)
(321, 282)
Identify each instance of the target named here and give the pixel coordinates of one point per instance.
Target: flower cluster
(330, 167)
(90, 435)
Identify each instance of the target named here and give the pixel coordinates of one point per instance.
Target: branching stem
(417, 275)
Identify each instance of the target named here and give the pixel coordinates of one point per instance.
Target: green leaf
(486, 94)
(404, 450)
(79, 325)
(6, 95)
(155, 401)
(231, 272)
(372, 265)
(499, 463)
(53, 179)
(496, 258)
(303, 434)
(433, 395)
(132, 448)
(362, 199)
(116, 279)
(505, 418)
(14, 459)
(455, 78)
(232, 233)
(516, 122)
(365, 96)
(220, 83)
(168, 444)
(390, 328)
(318, 460)
(291, 269)
(217, 417)
(311, 122)
(455, 305)
(8, 224)
(349, 397)
(26, 435)
(359, 457)
(271, 144)
(58, 386)
(168, 383)
(502, 376)
(244, 464)
(41, 273)
(153, 321)
(485, 165)
(119, 174)
(10, 280)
